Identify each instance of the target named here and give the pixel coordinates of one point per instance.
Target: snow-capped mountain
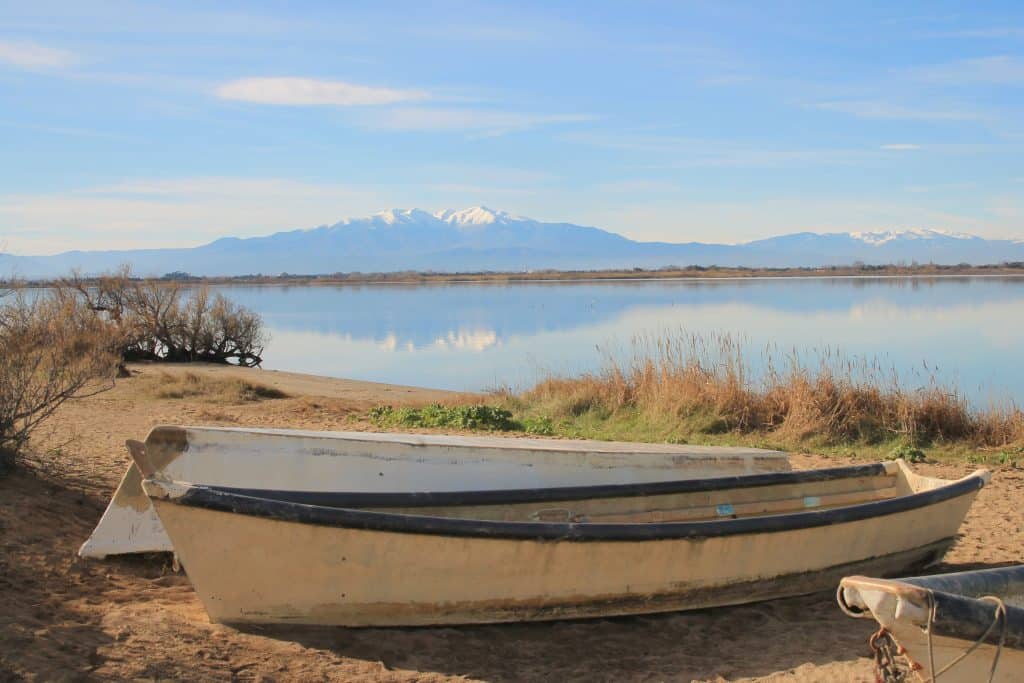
(878, 238)
(480, 238)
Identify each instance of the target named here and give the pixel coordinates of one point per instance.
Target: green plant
(908, 452)
(481, 416)
(539, 425)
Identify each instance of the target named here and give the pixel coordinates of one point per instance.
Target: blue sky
(146, 124)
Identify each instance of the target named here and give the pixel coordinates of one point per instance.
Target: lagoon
(966, 331)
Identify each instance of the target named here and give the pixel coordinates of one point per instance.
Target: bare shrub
(52, 349)
(162, 321)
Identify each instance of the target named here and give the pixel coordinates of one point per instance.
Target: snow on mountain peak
(880, 238)
(396, 216)
(458, 218)
(476, 215)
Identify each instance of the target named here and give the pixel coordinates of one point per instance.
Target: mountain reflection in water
(476, 336)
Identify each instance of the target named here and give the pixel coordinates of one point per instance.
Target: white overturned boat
(967, 626)
(554, 553)
(363, 462)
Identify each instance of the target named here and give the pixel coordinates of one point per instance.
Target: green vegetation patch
(908, 452)
(481, 417)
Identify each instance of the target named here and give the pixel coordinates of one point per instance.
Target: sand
(136, 618)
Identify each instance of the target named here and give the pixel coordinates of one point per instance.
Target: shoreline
(695, 273)
(136, 617)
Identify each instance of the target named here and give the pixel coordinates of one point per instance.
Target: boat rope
(1000, 616)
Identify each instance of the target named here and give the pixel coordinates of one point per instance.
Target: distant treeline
(692, 271)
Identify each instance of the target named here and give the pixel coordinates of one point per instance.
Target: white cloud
(997, 70)
(313, 92)
(900, 147)
(479, 121)
(879, 109)
(26, 55)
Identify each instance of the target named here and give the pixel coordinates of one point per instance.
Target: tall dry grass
(706, 382)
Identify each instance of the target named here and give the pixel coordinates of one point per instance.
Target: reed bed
(694, 383)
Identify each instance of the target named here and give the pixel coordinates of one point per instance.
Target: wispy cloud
(477, 32)
(25, 55)
(684, 152)
(900, 147)
(984, 32)
(65, 130)
(677, 220)
(944, 188)
(635, 186)
(313, 92)
(880, 109)
(174, 212)
(707, 63)
(483, 122)
(996, 70)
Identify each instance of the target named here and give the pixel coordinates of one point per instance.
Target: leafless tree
(163, 321)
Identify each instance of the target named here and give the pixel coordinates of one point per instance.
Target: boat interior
(681, 501)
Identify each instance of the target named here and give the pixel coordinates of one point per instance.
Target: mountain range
(481, 239)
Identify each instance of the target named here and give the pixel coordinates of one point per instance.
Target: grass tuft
(227, 389)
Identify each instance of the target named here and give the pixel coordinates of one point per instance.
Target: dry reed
(706, 384)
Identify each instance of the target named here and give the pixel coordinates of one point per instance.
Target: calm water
(479, 336)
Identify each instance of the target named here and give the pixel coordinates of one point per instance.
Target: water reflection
(474, 336)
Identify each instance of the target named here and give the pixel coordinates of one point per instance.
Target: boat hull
(248, 568)
(970, 634)
(371, 462)
(973, 668)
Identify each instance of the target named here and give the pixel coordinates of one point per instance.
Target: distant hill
(479, 239)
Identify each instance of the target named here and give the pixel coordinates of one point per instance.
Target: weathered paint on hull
(253, 569)
(129, 524)
(374, 462)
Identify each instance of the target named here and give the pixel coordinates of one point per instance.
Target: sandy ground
(62, 618)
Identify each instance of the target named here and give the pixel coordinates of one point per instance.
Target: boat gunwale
(192, 495)
(961, 617)
(532, 444)
(345, 499)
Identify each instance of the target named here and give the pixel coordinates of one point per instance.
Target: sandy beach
(136, 618)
